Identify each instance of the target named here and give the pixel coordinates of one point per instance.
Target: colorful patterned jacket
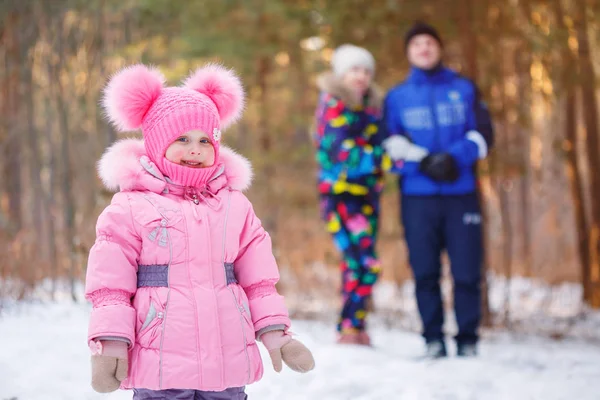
(348, 140)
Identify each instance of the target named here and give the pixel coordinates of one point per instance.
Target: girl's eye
(182, 139)
(204, 141)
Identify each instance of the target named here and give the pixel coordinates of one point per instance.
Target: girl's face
(193, 149)
(424, 52)
(359, 79)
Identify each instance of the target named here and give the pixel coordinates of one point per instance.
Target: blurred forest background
(535, 62)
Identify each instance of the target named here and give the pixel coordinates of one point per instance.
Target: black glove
(441, 167)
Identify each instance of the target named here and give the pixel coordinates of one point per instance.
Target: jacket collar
(125, 166)
(437, 75)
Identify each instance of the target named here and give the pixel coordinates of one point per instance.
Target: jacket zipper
(164, 315)
(437, 145)
(195, 200)
(235, 301)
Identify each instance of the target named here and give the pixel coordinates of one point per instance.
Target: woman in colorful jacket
(349, 155)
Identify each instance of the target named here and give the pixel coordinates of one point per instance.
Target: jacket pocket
(151, 314)
(244, 309)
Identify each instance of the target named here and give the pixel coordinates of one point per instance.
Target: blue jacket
(440, 111)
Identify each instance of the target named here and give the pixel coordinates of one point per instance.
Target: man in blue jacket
(438, 129)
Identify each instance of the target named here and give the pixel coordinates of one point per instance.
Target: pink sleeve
(257, 272)
(111, 278)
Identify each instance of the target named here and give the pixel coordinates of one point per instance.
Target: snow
(43, 355)
(524, 305)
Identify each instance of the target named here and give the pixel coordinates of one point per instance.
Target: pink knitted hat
(210, 99)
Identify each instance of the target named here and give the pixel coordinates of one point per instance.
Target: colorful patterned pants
(352, 220)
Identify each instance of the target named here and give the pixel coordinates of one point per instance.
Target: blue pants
(176, 394)
(434, 223)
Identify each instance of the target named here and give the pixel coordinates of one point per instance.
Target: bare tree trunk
(591, 281)
(503, 147)
(525, 202)
(5, 222)
(301, 134)
(577, 192)
(45, 20)
(66, 176)
(28, 33)
(505, 53)
(12, 149)
(66, 182)
(50, 199)
(467, 36)
(524, 92)
(101, 46)
(4, 219)
(267, 170)
(523, 147)
(469, 46)
(570, 132)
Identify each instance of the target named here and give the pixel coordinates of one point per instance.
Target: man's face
(424, 52)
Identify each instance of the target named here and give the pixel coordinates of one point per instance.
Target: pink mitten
(109, 364)
(281, 346)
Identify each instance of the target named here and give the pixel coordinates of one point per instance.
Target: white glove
(400, 148)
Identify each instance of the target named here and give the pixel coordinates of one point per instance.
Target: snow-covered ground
(43, 356)
(525, 306)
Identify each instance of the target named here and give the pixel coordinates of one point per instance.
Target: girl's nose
(195, 150)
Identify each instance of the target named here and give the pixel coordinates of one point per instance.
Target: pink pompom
(129, 95)
(223, 87)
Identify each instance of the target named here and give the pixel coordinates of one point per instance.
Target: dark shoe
(435, 349)
(466, 350)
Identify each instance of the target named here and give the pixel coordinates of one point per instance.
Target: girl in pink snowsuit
(182, 276)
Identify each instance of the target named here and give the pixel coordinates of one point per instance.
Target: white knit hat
(348, 56)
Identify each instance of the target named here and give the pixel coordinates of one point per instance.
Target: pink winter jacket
(186, 277)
